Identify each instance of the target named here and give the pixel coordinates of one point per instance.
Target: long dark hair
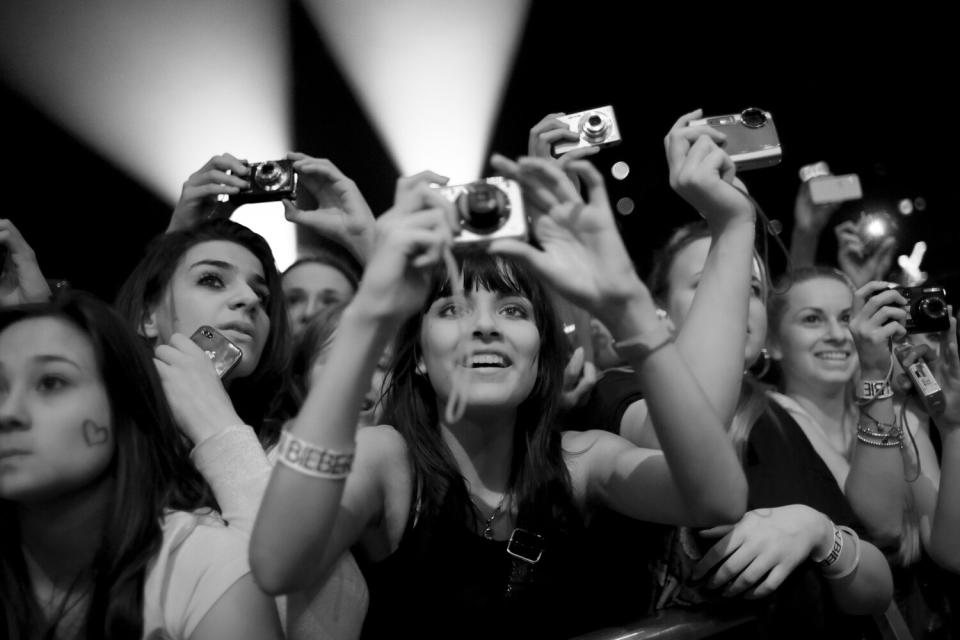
(539, 479)
(255, 397)
(150, 471)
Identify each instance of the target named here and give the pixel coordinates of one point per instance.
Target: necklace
(487, 531)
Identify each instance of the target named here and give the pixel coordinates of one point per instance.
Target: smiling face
(683, 279)
(501, 343)
(56, 432)
(221, 284)
(812, 340)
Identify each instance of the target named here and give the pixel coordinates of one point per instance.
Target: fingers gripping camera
(752, 141)
(596, 128)
(489, 209)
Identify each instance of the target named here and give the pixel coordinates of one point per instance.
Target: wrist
(630, 317)
(824, 538)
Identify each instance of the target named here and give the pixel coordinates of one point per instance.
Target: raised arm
(292, 546)
(20, 277)
(584, 259)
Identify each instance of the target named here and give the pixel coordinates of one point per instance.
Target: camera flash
(876, 228)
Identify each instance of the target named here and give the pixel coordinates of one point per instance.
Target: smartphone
(596, 128)
(224, 354)
(828, 189)
(752, 141)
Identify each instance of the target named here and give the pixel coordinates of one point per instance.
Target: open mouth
(487, 361)
(833, 356)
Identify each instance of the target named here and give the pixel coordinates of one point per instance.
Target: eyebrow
(220, 264)
(819, 310)
(45, 358)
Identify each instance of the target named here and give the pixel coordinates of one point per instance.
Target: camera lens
(270, 176)
(483, 207)
(933, 307)
(753, 118)
(594, 126)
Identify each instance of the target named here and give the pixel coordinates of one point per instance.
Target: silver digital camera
(596, 128)
(752, 140)
(489, 209)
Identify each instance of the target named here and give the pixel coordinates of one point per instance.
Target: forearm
(235, 466)
(869, 588)
(713, 335)
(875, 486)
(701, 458)
(803, 246)
(299, 511)
(945, 532)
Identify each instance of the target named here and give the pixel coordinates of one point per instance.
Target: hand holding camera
(583, 256)
(863, 261)
(702, 172)
(878, 317)
(21, 280)
(331, 203)
(203, 194)
(750, 137)
(410, 238)
(592, 129)
(488, 210)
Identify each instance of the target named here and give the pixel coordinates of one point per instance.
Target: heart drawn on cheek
(94, 434)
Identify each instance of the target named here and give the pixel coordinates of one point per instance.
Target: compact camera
(224, 354)
(489, 209)
(596, 128)
(927, 310)
(752, 140)
(830, 189)
(269, 181)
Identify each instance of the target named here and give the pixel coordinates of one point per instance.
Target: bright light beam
(160, 87)
(431, 75)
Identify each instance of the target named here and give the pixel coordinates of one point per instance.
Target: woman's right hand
(703, 174)
(410, 239)
(21, 280)
(221, 175)
(878, 316)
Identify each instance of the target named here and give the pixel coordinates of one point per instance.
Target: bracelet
(831, 558)
(871, 390)
(891, 438)
(638, 348)
(310, 460)
(856, 556)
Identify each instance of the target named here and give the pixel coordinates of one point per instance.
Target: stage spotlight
(905, 206)
(159, 87)
(430, 77)
(625, 206)
(919, 203)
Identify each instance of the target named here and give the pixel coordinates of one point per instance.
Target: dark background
(868, 93)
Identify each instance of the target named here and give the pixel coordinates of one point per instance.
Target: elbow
(726, 509)
(270, 574)
(947, 557)
(886, 536)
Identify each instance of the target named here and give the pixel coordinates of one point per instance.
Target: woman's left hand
(754, 556)
(20, 278)
(583, 255)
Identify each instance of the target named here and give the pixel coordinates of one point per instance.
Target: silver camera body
(752, 141)
(596, 128)
(489, 209)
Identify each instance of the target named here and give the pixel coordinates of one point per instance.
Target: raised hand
(20, 278)
(410, 238)
(703, 174)
(878, 316)
(859, 265)
(332, 205)
(222, 175)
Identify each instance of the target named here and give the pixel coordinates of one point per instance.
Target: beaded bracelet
(310, 460)
(893, 437)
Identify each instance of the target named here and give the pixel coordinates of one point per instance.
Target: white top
(201, 558)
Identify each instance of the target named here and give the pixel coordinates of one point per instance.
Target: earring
(761, 365)
(421, 369)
